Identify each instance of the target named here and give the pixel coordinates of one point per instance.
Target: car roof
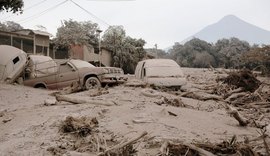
(8, 53)
(159, 63)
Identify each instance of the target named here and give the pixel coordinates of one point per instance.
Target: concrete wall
(87, 53)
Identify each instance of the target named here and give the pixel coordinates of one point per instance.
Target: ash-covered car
(44, 72)
(12, 63)
(160, 73)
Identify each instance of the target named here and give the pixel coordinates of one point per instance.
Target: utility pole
(156, 50)
(98, 31)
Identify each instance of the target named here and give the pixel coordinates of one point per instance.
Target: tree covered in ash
(11, 5)
(127, 51)
(10, 26)
(229, 52)
(258, 58)
(198, 53)
(74, 32)
(194, 53)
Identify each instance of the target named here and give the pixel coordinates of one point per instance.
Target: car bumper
(113, 79)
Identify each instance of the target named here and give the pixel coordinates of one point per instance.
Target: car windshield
(81, 64)
(163, 72)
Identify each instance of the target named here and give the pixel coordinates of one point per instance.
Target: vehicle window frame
(67, 64)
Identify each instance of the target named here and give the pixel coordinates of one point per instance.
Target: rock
(49, 102)
(3, 112)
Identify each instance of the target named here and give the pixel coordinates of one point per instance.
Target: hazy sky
(161, 22)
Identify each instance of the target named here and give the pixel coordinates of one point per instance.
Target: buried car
(12, 63)
(44, 72)
(160, 72)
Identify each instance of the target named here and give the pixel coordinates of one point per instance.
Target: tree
(10, 26)
(73, 32)
(258, 57)
(11, 5)
(203, 59)
(194, 53)
(126, 51)
(158, 53)
(229, 51)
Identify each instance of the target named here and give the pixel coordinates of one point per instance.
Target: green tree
(11, 5)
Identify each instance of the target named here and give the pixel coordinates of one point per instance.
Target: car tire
(92, 83)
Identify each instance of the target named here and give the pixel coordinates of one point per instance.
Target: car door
(67, 75)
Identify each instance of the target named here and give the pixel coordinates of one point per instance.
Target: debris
(123, 145)
(50, 102)
(235, 96)
(231, 147)
(3, 112)
(170, 148)
(83, 101)
(56, 151)
(81, 126)
(135, 83)
(244, 79)
(238, 90)
(176, 102)
(242, 121)
(171, 113)
(143, 121)
(74, 87)
(6, 120)
(201, 96)
(98, 92)
(150, 93)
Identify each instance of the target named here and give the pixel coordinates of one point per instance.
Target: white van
(12, 63)
(160, 72)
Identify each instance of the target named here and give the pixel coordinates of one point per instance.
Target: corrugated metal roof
(36, 32)
(44, 33)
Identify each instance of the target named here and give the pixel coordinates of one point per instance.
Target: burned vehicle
(12, 63)
(160, 72)
(44, 72)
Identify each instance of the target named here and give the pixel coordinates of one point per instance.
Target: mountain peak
(230, 19)
(232, 26)
(230, 16)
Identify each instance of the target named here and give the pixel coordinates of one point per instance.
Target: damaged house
(90, 54)
(38, 43)
(30, 41)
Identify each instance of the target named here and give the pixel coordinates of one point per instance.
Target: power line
(30, 18)
(30, 7)
(91, 14)
(42, 13)
(111, 0)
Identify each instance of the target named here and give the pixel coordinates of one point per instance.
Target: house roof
(36, 32)
(44, 33)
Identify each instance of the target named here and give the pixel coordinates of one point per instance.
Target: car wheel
(91, 83)
(40, 86)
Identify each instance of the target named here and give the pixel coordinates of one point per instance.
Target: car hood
(166, 81)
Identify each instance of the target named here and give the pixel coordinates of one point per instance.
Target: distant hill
(232, 26)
